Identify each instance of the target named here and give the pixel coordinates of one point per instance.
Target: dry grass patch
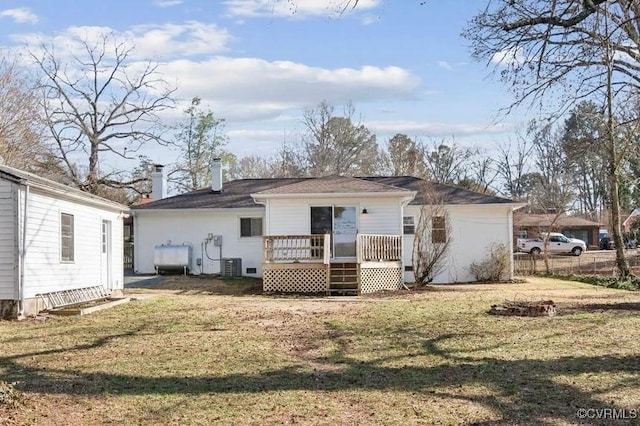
(433, 357)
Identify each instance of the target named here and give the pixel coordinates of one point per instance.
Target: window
(250, 226)
(438, 229)
(408, 225)
(126, 232)
(522, 233)
(66, 237)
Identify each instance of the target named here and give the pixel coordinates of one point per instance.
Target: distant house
(527, 225)
(314, 234)
(54, 240)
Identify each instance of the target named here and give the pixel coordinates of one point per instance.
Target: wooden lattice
(292, 278)
(378, 279)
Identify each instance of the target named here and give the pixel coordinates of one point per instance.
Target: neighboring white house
(54, 238)
(278, 229)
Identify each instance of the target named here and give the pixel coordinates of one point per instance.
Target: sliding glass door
(341, 223)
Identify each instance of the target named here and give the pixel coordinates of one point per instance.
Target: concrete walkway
(132, 280)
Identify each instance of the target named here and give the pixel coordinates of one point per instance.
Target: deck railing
(297, 248)
(376, 247)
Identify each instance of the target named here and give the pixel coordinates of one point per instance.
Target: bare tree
(251, 167)
(21, 123)
(287, 162)
(432, 238)
(553, 191)
(447, 162)
(584, 132)
(483, 174)
(564, 51)
(512, 166)
(97, 104)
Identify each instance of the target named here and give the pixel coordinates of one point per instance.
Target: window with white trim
(408, 225)
(66, 237)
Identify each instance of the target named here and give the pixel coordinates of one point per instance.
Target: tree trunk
(621, 259)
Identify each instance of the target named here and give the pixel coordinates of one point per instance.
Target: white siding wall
(473, 230)
(8, 242)
(44, 271)
(288, 216)
(154, 228)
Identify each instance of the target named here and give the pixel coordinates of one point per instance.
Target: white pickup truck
(557, 243)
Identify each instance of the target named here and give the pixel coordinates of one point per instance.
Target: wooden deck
(303, 264)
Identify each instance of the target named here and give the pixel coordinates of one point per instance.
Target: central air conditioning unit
(231, 267)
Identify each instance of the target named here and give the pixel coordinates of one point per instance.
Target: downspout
(22, 249)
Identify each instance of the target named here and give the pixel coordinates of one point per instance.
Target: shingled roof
(334, 185)
(237, 193)
(546, 219)
(17, 175)
(234, 194)
(449, 194)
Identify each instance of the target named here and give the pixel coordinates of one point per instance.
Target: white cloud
(22, 15)
(511, 56)
(370, 20)
(164, 41)
(167, 3)
(296, 8)
(186, 39)
(251, 88)
(438, 129)
(446, 65)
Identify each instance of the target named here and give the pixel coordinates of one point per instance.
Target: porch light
(364, 211)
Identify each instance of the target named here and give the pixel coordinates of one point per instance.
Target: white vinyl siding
(44, 271)
(177, 227)
(473, 229)
(8, 242)
(66, 237)
(293, 216)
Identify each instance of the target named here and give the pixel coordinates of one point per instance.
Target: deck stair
(343, 279)
(58, 299)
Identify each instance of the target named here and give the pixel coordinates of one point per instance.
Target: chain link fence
(589, 263)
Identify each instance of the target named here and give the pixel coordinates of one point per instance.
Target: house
(527, 225)
(314, 234)
(55, 241)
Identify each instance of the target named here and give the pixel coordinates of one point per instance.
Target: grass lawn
(194, 356)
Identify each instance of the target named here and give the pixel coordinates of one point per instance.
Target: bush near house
(494, 267)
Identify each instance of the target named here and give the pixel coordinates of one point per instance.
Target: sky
(258, 64)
